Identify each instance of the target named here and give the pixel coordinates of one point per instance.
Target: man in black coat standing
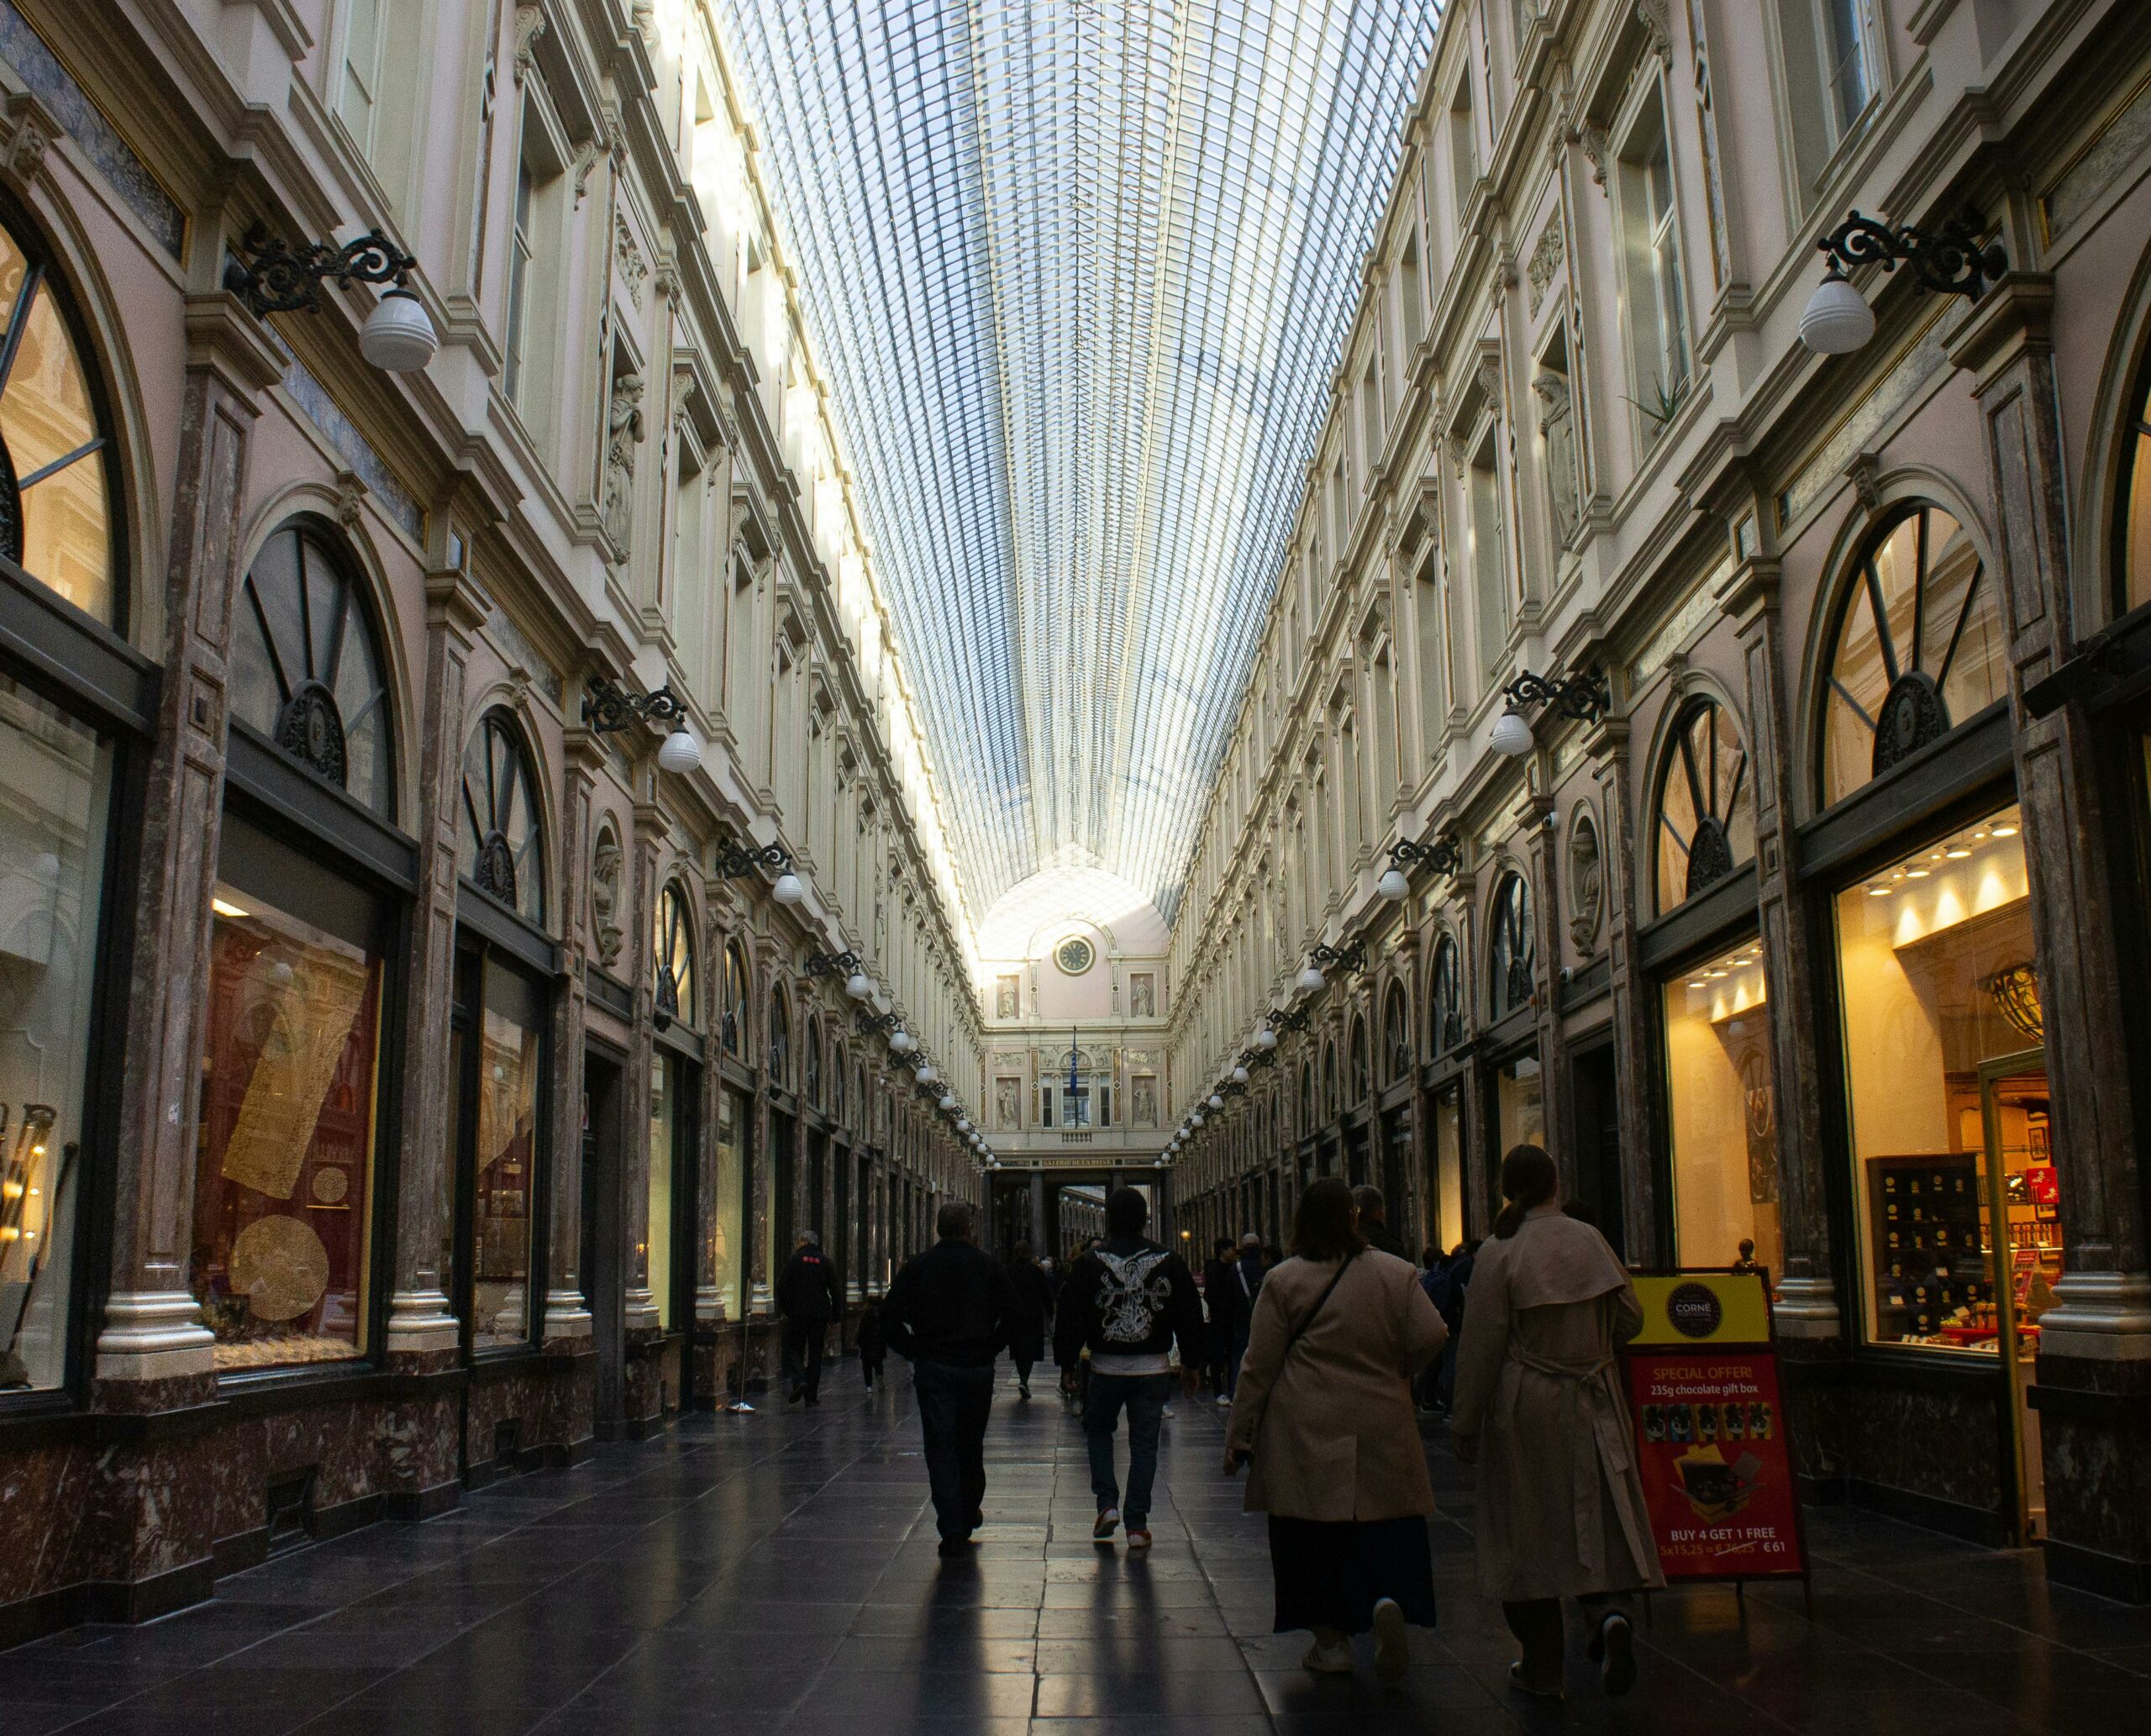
(949, 1314)
(1223, 1302)
(807, 1299)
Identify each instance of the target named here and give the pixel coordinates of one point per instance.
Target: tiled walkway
(777, 1572)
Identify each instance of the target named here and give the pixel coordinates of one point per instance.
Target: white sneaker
(1329, 1659)
(1392, 1650)
(1225, 1400)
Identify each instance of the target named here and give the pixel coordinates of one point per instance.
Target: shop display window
(52, 443)
(1447, 1228)
(1519, 1106)
(2134, 518)
(55, 789)
(284, 1177)
(1722, 1114)
(504, 1156)
(1955, 1188)
(665, 1111)
(728, 1186)
(1445, 996)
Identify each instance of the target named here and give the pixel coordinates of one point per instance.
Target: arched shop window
(2132, 522)
(732, 1014)
(1445, 996)
(1918, 648)
(674, 943)
(1706, 825)
(1362, 1073)
(1513, 947)
(56, 507)
(780, 1041)
(307, 664)
(810, 1060)
(502, 849)
(1396, 1028)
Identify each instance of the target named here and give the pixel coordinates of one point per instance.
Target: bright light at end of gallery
(788, 890)
(1393, 886)
(680, 752)
(224, 906)
(1511, 734)
(1836, 320)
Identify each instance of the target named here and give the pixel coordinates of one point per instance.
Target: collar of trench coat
(1555, 1259)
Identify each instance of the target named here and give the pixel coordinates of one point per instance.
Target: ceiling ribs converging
(1078, 273)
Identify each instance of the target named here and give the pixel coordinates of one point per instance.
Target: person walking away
(948, 1313)
(1222, 1305)
(1559, 1507)
(1248, 1271)
(1435, 1279)
(1374, 1220)
(1324, 1414)
(807, 1302)
(1033, 1298)
(873, 1346)
(1128, 1303)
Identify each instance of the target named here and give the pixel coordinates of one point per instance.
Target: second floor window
(1827, 77)
(520, 248)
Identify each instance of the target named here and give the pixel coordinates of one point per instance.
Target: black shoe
(955, 1546)
(813, 1398)
(978, 1519)
(1613, 1648)
(797, 1393)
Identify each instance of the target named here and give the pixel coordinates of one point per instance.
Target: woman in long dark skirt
(1033, 1309)
(1323, 1410)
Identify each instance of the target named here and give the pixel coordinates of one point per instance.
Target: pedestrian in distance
(873, 1346)
(1559, 1506)
(948, 1313)
(807, 1301)
(1033, 1309)
(1324, 1416)
(1248, 1271)
(1222, 1307)
(1374, 1220)
(1128, 1303)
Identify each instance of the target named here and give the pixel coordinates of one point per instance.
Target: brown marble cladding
(717, 1365)
(643, 1394)
(549, 1402)
(2097, 1454)
(1941, 1442)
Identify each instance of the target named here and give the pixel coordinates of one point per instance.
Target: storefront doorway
(1598, 1141)
(1515, 1112)
(1445, 1226)
(2020, 1229)
(603, 1286)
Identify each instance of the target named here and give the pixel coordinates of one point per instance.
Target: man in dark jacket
(1246, 1277)
(1374, 1221)
(807, 1299)
(1222, 1301)
(948, 1313)
(1128, 1302)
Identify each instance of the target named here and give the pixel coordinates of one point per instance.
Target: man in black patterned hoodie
(1128, 1301)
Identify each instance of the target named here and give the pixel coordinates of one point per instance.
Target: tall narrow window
(361, 100)
(1413, 316)
(1463, 147)
(675, 942)
(1657, 289)
(1671, 295)
(1513, 947)
(1490, 593)
(732, 1014)
(521, 247)
(1445, 996)
(1828, 77)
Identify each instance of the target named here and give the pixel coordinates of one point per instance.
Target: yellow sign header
(1682, 1308)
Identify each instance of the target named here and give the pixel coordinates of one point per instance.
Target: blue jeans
(1145, 1397)
(953, 1406)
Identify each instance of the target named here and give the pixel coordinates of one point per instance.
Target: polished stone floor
(777, 1572)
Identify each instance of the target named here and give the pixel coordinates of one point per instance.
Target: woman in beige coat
(1323, 1409)
(1559, 1506)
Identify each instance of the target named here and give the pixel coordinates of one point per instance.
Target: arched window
(307, 665)
(1917, 650)
(732, 1011)
(1397, 1029)
(780, 1041)
(1512, 949)
(1307, 1100)
(2133, 521)
(811, 1062)
(837, 1080)
(1362, 1073)
(1445, 996)
(502, 850)
(56, 507)
(1329, 1103)
(1705, 818)
(674, 940)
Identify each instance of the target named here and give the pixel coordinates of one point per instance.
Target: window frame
(1511, 914)
(1721, 861)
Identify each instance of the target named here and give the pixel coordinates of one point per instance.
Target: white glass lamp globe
(1836, 320)
(963, 1124)
(1393, 886)
(680, 753)
(1511, 734)
(902, 1043)
(1197, 1117)
(1216, 1101)
(1311, 979)
(788, 890)
(1265, 1040)
(858, 987)
(1239, 1075)
(948, 1102)
(397, 336)
(925, 1074)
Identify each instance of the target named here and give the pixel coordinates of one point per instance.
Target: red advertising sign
(1716, 1464)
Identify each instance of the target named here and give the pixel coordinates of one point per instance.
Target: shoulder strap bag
(1306, 1320)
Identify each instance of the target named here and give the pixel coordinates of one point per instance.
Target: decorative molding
(1547, 257)
(530, 26)
(1590, 140)
(1658, 27)
(627, 256)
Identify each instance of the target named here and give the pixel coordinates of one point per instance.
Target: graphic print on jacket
(1134, 1295)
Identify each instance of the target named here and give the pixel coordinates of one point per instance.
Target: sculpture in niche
(1142, 994)
(1547, 257)
(606, 930)
(1586, 885)
(1142, 1092)
(623, 430)
(1005, 997)
(1557, 425)
(1007, 1103)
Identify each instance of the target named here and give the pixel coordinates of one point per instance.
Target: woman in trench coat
(1323, 1412)
(1559, 1506)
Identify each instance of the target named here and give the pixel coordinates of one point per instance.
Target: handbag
(1306, 1320)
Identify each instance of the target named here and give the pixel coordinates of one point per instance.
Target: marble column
(640, 1313)
(152, 1330)
(1544, 841)
(568, 1324)
(1807, 1302)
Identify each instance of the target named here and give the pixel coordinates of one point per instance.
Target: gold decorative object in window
(2015, 992)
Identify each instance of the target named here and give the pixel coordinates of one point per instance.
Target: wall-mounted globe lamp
(1584, 697)
(1265, 1040)
(1836, 320)
(1441, 855)
(1239, 1075)
(924, 1073)
(270, 277)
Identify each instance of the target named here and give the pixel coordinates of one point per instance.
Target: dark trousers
(802, 1352)
(1144, 1396)
(1537, 1627)
(953, 1406)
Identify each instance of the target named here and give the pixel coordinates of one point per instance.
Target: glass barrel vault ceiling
(1078, 273)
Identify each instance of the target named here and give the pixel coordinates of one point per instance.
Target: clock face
(1074, 955)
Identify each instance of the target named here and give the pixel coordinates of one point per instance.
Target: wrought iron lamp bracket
(1290, 1020)
(823, 964)
(869, 1025)
(607, 705)
(1584, 697)
(1949, 260)
(1441, 855)
(731, 861)
(1352, 958)
(273, 278)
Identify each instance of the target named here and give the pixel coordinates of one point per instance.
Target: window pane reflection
(1722, 1113)
(507, 1161)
